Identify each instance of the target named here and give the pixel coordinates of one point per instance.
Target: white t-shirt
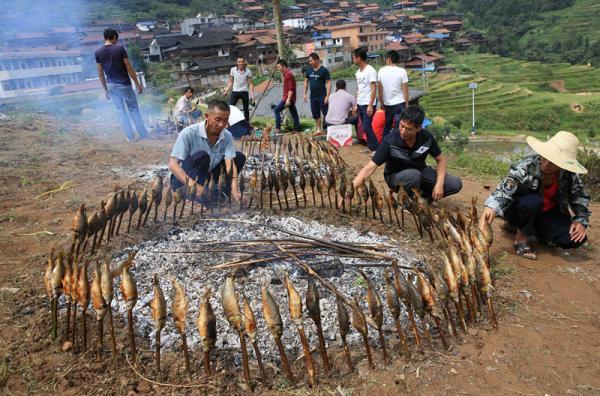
(364, 79)
(183, 106)
(392, 78)
(240, 79)
(235, 115)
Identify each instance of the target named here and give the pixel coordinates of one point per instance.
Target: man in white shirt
(240, 84)
(185, 111)
(393, 89)
(341, 105)
(238, 125)
(366, 82)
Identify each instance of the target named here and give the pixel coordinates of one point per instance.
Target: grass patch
(479, 165)
(502, 265)
(591, 161)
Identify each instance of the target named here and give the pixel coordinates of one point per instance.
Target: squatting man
(201, 149)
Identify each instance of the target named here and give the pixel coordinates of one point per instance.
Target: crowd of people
(542, 196)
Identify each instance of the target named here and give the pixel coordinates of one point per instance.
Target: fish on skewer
(66, 285)
(409, 295)
(222, 187)
(207, 327)
(130, 296)
(275, 324)
(99, 306)
(242, 188)
(142, 207)
(393, 303)
(418, 305)
(106, 286)
(184, 191)
(302, 183)
(393, 205)
(157, 192)
(312, 183)
(427, 296)
(253, 184)
(158, 306)
(376, 312)
(277, 187)
(331, 185)
(271, 184)
(283, 180)
(79, 228)
(295, 308)
(364, 192)
(344, 322)
(484, 283)
(74, 297)
(452, 277)
(372, 193)
(177, 198)
(92, 231)
(350, 196)
(168, 201)
(83, 296)
(193, 193)
(378, 199)
(314, 312)
(56, 286)
(343, 189)
(262, 182)
(321, 187)
(250, 330)
(359, 321)
(292, 181)
(233, 314)
(110, 208)
(102, 222)
(133, 206)
(119, 199)
(122, 206)
(179, 308)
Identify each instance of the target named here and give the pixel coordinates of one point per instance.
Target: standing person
(404, 152)
(342, 106)
(185, 111)
(289, 96)
(393, 89)
(317, 76)
(366, 82)
(201, 149)
(115, 71)
(537, 194)
(240, 83)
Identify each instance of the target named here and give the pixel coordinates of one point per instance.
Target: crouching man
(404, 151)
(536, 196)
(202, 148)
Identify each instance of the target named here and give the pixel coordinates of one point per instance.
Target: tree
(279, 29)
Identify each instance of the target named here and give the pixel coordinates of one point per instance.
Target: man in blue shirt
(201, 149)
(317, 76)
(115, 71)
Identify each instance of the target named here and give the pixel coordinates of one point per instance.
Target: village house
(359, 34)
(333, 52)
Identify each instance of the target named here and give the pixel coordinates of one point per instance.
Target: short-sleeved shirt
(364, 78)
(240, 79)
(194, 139)
(111, 57)
(392, 78)
(340, 103)
(289, 84)
(183, 106)
(397, 156)
(317, 80)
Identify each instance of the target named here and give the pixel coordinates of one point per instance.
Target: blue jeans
(187, 119)
(293, 111)
(366, 122)
(123, 97)
(392, 113)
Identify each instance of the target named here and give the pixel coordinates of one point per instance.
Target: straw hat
(561, 150)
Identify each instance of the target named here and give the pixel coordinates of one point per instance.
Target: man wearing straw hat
(543, 196)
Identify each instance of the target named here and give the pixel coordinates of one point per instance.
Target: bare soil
(548, 341)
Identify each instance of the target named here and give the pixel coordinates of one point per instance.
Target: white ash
(145, 173)
(193, 272)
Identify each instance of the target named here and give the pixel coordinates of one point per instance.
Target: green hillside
(546, 30)
(515, 96)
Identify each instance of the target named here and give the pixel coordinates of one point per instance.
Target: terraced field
(515, 96)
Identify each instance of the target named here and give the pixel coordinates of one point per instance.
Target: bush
(450, 137)
(591, 161)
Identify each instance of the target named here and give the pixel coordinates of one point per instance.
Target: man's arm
(364, 174)
(380, 91)
(131, 72)
(229, 85)
(305, 88)
(438, 189)
(102, 80)
(251, 86)
(328, 85)
(406, 94)
(370, 109)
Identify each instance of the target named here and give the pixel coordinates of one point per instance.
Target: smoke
(20, 16)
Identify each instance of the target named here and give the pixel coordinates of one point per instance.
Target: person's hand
(370, 110)
(487, 217)
(140, 89)
(288, 103)
(438, 192)
(326, 101)
(381, 107)
(107, 95)
(305, 98)
(577, 232)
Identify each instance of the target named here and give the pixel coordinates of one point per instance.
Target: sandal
(525, 250)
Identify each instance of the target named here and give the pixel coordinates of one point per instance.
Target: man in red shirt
(289, 97)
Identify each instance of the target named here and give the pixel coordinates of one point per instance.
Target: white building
(295, 23)
(37, 72)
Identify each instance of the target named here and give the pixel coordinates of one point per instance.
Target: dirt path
(548, 341)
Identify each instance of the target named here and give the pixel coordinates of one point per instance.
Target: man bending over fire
(201, 149)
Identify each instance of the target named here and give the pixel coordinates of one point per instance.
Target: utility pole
(473, 87)
(279, 29)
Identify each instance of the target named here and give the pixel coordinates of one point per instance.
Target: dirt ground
(548, 341)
